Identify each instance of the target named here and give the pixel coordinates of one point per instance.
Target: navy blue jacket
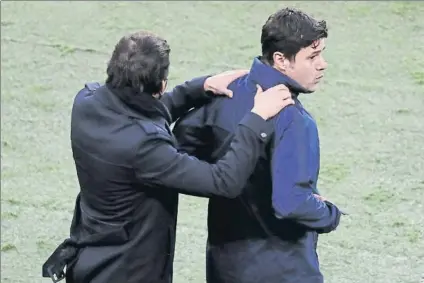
(269, 233)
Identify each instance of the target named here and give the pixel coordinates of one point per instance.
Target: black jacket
(130, 173)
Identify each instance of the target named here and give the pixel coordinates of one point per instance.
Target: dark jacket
(129, 171)
(269, 233)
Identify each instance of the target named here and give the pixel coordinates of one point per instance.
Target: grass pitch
(369, 111)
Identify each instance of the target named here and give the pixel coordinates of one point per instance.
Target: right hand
(323, 199)
(219, 83)
(270, 102)
(319, 197)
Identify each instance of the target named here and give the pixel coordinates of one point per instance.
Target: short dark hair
(289, 30)
(140, 61)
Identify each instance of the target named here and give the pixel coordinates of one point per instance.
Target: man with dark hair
(130, 172)
(269, 233)
(153, 63)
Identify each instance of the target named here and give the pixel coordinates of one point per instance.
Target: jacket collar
(267, 77)
(134, 104)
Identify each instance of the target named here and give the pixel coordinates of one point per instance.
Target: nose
(323, 64)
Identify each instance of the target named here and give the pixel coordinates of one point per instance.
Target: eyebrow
(318, 51)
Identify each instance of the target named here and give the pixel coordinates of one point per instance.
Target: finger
(287, 102)
(280, 87)
(236, 71)
(242, 72)
(225, 92)
(259, 89)
(235, 74)
(228, 93)
(283, 95)
(276, 87)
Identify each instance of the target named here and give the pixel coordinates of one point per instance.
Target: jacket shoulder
(287, 116)
(152, 128)
(84, 94)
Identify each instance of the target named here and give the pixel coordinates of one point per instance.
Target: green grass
(369, 108)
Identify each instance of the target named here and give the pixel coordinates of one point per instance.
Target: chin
(312, 88)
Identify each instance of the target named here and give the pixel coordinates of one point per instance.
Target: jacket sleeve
(292, 195)
(160, 165)
(183, 97)
(194, 135)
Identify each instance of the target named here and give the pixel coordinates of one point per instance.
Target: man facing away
(269, 233)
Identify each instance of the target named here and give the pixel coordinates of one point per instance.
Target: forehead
(316, 46)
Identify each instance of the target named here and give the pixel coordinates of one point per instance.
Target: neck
(267, 76)
(267, 63)
(144, 103)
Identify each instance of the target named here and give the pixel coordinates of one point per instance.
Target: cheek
(311, 72)
(305, 73)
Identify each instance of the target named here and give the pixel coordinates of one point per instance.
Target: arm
(195, 137)
(159, 163)
(292, 182)
(198, 92)
(186, 96)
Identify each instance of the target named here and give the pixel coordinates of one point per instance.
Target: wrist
(206, 85)
(257, 112)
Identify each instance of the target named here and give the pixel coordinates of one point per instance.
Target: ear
(281, 63)
(162, 90)
(164, 84)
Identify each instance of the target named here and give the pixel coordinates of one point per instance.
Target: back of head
(289, 30)
(139, 61)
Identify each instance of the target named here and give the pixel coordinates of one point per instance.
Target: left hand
(219, 83)
(321, 198)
